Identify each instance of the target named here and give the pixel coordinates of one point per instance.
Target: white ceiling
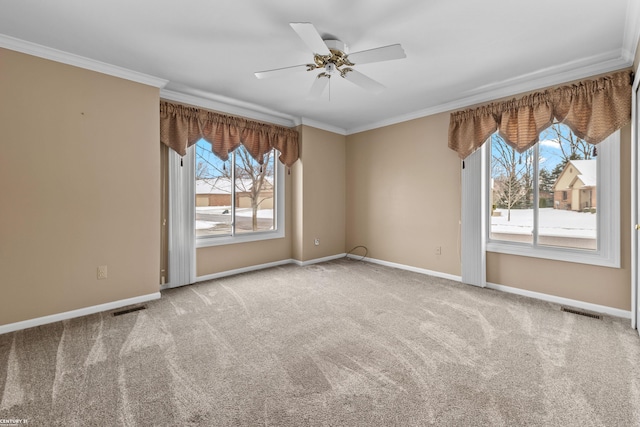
(458, 52)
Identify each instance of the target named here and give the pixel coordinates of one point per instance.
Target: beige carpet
(343, 343)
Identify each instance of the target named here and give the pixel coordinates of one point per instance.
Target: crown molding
(574, 70)
(631, 31)
(227, 105)
(323, 126)
(56, 55)
(551, 76)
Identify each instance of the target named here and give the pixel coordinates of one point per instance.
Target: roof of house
(223, 185)
(587, 171)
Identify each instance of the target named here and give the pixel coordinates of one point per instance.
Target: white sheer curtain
(474, 218)
(181, 242)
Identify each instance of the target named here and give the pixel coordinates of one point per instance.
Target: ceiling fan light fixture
(330, 68)
(344, 71)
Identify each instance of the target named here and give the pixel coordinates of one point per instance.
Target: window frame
(607, 253)
(279, 213)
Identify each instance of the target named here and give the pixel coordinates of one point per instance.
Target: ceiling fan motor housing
(336, 45)
(332, 63)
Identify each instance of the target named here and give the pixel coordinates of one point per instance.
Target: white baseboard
(11, 327)
(262, 267)
(408, 268)
(317, 260)
(243, 270)
(596, 308)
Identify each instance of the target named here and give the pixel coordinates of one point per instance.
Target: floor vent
(581, 313)
(129, 310)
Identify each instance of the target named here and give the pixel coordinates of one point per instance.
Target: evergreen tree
(546, 180)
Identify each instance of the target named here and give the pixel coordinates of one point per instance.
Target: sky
(203, 148)
(550, 152)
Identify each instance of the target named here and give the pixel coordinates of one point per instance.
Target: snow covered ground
(202, 224)
(262, 213)
(552, 222)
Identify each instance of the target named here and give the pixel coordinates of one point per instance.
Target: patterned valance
(593, 109)
(182, 126)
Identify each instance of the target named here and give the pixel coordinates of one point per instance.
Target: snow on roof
(222, 185)
(587, 171)
(219, 185)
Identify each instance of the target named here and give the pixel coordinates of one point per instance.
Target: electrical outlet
(438, 250)
(102, 272)
(316, 241)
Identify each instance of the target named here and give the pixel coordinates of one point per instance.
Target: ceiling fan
(332, 57)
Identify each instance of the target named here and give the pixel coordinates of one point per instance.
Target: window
(237, 200)
(558, 200)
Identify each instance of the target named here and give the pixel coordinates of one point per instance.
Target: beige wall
(403, 200)
(403, 194)
(79, 174)
(320, 192)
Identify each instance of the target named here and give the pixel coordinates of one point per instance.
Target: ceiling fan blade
(280, 71)
(364, 82)
(310, 37)
(379, 54)
(318, 87)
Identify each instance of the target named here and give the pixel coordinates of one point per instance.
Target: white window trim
(608, 252)
(278, 233)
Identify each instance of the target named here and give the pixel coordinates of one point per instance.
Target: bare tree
(251, 178)
(571, 147)
(513, 176)
(208, 168)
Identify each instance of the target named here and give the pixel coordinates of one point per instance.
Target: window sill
(556, 254)
(205, 242)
